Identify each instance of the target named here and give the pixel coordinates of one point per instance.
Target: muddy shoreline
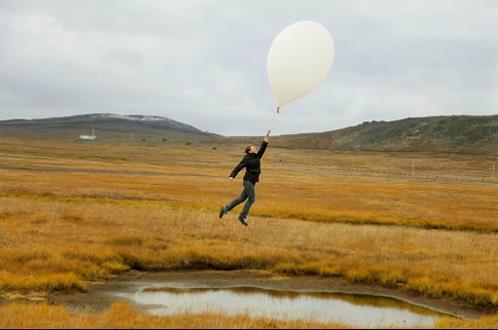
(97, 297)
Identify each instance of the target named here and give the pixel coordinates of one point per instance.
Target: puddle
(355, 310)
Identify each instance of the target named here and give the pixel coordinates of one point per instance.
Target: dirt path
(98, 296)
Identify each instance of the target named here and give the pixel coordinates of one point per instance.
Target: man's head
(250, 149)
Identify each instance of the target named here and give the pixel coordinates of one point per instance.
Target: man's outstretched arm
(262, 149)
(238, 168)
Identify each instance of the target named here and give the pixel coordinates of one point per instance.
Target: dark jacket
(252, 163)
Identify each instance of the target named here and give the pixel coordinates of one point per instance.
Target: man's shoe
(243, 221)
(222, 212)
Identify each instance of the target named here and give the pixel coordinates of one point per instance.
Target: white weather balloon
(299, 59)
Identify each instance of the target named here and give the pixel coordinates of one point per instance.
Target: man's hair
(248, 148)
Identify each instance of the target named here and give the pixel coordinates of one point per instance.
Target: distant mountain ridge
(469, 134)
(460, 134)
(105, 125)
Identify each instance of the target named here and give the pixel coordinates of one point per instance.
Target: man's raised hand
(267, 136)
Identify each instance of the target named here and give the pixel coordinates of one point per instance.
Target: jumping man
(252, 162)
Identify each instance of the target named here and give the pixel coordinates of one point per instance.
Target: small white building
(88, 137)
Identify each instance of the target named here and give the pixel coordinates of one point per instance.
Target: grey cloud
(204, 62)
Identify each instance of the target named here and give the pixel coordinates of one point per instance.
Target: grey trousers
(249, 194)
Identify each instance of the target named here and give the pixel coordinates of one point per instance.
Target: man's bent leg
(236, 201)
(251, 198)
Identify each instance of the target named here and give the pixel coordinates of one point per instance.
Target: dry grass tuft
(121, 315)
(487, 322)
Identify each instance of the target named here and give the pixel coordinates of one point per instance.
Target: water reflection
(360, 311)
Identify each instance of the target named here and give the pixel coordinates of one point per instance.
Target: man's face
(252, 150)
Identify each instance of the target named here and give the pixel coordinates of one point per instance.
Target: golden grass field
(74, 212)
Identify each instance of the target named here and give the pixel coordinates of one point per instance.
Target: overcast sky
(204, 62)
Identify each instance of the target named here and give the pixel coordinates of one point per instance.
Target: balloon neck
(278, 109)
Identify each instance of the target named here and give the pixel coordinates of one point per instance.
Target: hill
(467, 134)
(109, 126)
(455, 134)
